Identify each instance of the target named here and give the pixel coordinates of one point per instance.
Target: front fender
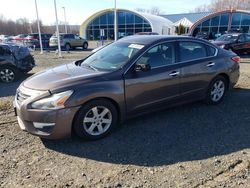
(113, 90)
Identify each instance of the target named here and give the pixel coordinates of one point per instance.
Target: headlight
(56, 101)
(222, 46)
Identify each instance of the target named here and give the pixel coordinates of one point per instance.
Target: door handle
(210, 64)
(174, 73)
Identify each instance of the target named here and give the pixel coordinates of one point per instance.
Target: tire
(8, 74)
(216, 90)
(85, 46)
(95, 120)
(67, 47)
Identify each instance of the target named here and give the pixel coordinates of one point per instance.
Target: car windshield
(227, 38)
(112, 57)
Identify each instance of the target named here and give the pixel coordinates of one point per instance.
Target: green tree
(181, 29)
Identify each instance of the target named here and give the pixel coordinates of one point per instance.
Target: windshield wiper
(90, 66)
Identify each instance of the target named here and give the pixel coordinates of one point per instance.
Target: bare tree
(218, 5)
(153, 10)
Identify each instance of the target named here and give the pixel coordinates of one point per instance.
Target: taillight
(236, 59)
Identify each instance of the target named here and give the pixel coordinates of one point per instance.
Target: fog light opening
(39, 125)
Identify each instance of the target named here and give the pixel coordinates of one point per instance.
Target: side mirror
(142, 67)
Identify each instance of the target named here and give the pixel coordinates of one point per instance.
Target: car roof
(149, 39)
(234, 34)
(11, 45)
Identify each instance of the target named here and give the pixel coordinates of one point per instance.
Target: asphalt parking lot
(193, 145)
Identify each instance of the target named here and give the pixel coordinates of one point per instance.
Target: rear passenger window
(191, 51)
(247, 38)
(210, 51)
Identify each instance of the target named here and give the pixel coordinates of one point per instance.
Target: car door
(160, 83)
(71, 39)
(198, 66)
(78, 41)
(239, 45)
(247, 44)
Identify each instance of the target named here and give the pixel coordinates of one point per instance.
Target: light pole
(65, 22)
(115, 22)
(57, 32)
(39, 31)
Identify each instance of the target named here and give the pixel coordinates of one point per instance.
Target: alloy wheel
(7, 75)
(97, 120)
(217, 91)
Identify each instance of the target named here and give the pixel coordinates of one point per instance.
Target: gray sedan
(127, 78)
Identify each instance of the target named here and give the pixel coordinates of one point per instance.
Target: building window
(215, 26)
(128, 24)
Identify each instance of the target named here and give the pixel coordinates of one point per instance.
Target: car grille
(20, 97)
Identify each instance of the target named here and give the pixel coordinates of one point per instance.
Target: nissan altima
(132, 76)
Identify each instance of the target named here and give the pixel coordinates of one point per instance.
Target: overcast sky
(78, 10)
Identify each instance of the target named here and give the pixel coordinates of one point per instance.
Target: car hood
(219, 43)
(61, 76)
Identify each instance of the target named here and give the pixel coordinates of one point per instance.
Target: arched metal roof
(157, 22)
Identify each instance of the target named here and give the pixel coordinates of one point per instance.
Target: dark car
(127, 78)
(32, 40)
(202, 35)
(15, 60)
(237, 42)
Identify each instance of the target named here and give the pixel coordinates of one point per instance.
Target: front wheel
(95, 119)
(216, 90)
(8, 74)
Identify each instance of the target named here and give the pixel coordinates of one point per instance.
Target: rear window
(191, 51)
(210, 51)
(36, 36)
(247, 38)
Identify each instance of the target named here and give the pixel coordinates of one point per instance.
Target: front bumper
(50, 124)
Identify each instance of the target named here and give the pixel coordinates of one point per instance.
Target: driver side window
(158, 56)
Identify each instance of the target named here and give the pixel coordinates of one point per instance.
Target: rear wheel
(95, 120)
(216, 90)
(8, 74)
(67, 47)
(85, 45)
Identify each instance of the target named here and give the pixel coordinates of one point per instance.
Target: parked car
(202, 35)
(236, 42)
(32, 40)
(68, 41)
(14, 61)
(3, 38)
(20, 37)
(6, 38)
(127, 78)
